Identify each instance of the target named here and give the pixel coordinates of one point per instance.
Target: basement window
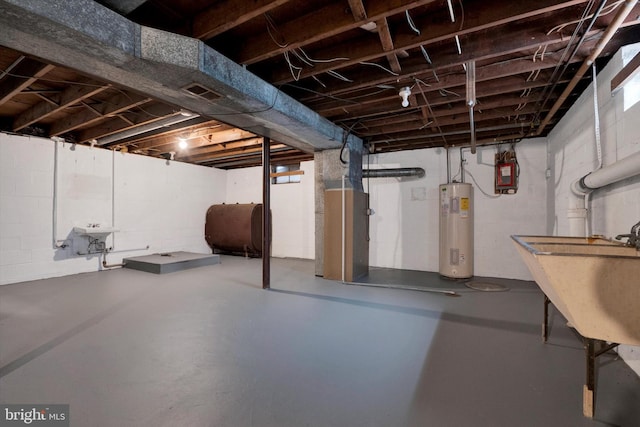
(629, 77)
(286, 174)
(631, 92)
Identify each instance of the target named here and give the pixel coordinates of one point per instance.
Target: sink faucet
(633, 238)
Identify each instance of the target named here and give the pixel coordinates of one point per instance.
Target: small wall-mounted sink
(95, 231)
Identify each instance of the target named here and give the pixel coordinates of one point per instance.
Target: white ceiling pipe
(625, 168)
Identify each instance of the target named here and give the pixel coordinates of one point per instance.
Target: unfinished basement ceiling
(346, 60)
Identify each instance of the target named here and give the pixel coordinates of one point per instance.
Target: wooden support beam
(391, 102)
(23, 75)
(627, 73)
(150, 114)
(214, 136)
(70, 96)
(417, 68)
(116, 104)
(387, 44)
(320, 24)
(226, 14)
(227, 153)
(481, 19)
(357, 10)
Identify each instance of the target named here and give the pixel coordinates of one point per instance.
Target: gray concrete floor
(208, 347)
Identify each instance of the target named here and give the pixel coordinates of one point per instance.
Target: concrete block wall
(404, 228)
(157, 204)
(572, 154)
(292, 208)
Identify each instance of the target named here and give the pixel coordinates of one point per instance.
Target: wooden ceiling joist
(21, 76)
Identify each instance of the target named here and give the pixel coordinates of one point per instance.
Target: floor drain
(486, 286)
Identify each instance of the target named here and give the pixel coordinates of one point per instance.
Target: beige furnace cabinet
(356, 245)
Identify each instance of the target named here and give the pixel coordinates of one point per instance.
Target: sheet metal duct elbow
(392, 173)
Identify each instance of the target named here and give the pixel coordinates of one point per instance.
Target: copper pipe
(608, 34)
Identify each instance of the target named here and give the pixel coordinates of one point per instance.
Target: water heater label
(464, 207)
(455, 205)
(444, 202)
(454, 256)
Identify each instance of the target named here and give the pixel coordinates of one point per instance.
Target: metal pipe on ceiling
(606, 37)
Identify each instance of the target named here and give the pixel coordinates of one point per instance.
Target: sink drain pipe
(104, 261)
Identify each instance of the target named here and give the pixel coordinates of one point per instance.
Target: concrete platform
(170, 262)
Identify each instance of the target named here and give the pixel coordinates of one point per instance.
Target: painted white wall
(159, 205)
(292, 208)
(404, 229)
(572, 154)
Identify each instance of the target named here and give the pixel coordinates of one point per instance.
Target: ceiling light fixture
(404, 94)
(182, 143)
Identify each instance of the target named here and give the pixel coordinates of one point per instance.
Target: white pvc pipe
(623, 169)
(581, 188)
(57, 243)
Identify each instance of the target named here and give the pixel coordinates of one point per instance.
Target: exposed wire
(270, 107)
(458, 44)
(380, 66)
(340, 58)
(535, 54)
(411, 23)
(426, 55)
(345, 138)
(271, 25)
(431, 113)
(493, 196)
(445, 92)
(320, 93)
(295, 70)
(461, 15)
(605, 11)
(567, 56)
(451, 14)
(319, 81)
(543, 52)
(301, 58)
(339, 76)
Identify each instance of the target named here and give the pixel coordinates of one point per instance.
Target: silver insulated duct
(392, 173)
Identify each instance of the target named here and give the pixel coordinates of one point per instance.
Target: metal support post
(266, 213)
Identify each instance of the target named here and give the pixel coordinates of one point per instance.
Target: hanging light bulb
(404, 94)
(182, 143)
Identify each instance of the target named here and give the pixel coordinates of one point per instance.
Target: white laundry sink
(94, 230)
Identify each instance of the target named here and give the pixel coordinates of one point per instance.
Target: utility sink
(94, 230)
(593, 282)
